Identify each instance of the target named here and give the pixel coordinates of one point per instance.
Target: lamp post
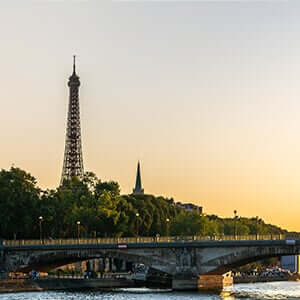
(78, 230)
(137, 224)
(167, 221)
(203, 222)
(256, 219)
(235, 218)
(41, 227)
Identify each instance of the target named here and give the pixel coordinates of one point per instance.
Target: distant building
(190, 207)
(138, 190)
(291, 262)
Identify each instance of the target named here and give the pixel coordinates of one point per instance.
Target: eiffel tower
(73, 163)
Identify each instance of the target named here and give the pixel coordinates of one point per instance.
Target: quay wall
(28, 285)
(17, 285)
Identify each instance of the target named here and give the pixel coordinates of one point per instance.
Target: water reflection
(271, 290)
(127, 295)
(275, 290)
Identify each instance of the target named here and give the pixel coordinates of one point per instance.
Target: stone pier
(214, 282)
(3, 269)
(190, 284)
(182, 282)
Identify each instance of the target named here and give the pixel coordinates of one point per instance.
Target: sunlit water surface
(274, 290)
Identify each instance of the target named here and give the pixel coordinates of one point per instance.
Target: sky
(206, 94)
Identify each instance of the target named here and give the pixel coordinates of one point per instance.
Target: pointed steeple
(138, 190)
(138, 182)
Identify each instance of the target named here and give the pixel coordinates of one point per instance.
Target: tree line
(92, 208)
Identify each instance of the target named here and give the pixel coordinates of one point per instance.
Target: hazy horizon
(205, 94)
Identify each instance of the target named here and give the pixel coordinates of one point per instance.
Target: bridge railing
(125, 240)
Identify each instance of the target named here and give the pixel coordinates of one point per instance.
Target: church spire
(138, 190)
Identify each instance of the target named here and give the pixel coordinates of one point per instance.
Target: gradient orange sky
(206, 94)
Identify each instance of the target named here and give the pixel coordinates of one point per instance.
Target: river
(272, 290)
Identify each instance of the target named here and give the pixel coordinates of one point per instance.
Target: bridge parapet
(134, 240)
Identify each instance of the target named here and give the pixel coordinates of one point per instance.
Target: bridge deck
(150, 242)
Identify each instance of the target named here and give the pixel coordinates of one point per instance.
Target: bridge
(185, 258)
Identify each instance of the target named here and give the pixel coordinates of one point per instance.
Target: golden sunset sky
(205, 94)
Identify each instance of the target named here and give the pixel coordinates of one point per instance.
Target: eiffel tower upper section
(73, 162)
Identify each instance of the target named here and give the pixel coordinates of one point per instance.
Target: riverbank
(254, 279)
(46, 284)
(17, 285)
(30, 285)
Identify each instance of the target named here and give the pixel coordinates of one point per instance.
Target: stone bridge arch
(177, 258)
(219, 261)
(24, 261)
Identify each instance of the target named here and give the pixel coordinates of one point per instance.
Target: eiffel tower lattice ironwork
(73, 163)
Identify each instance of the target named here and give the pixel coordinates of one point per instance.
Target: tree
(19, 197)
(102, 211)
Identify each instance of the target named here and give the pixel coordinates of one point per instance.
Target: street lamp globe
(41, 227)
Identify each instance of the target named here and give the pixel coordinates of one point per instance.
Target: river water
(274, 290)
